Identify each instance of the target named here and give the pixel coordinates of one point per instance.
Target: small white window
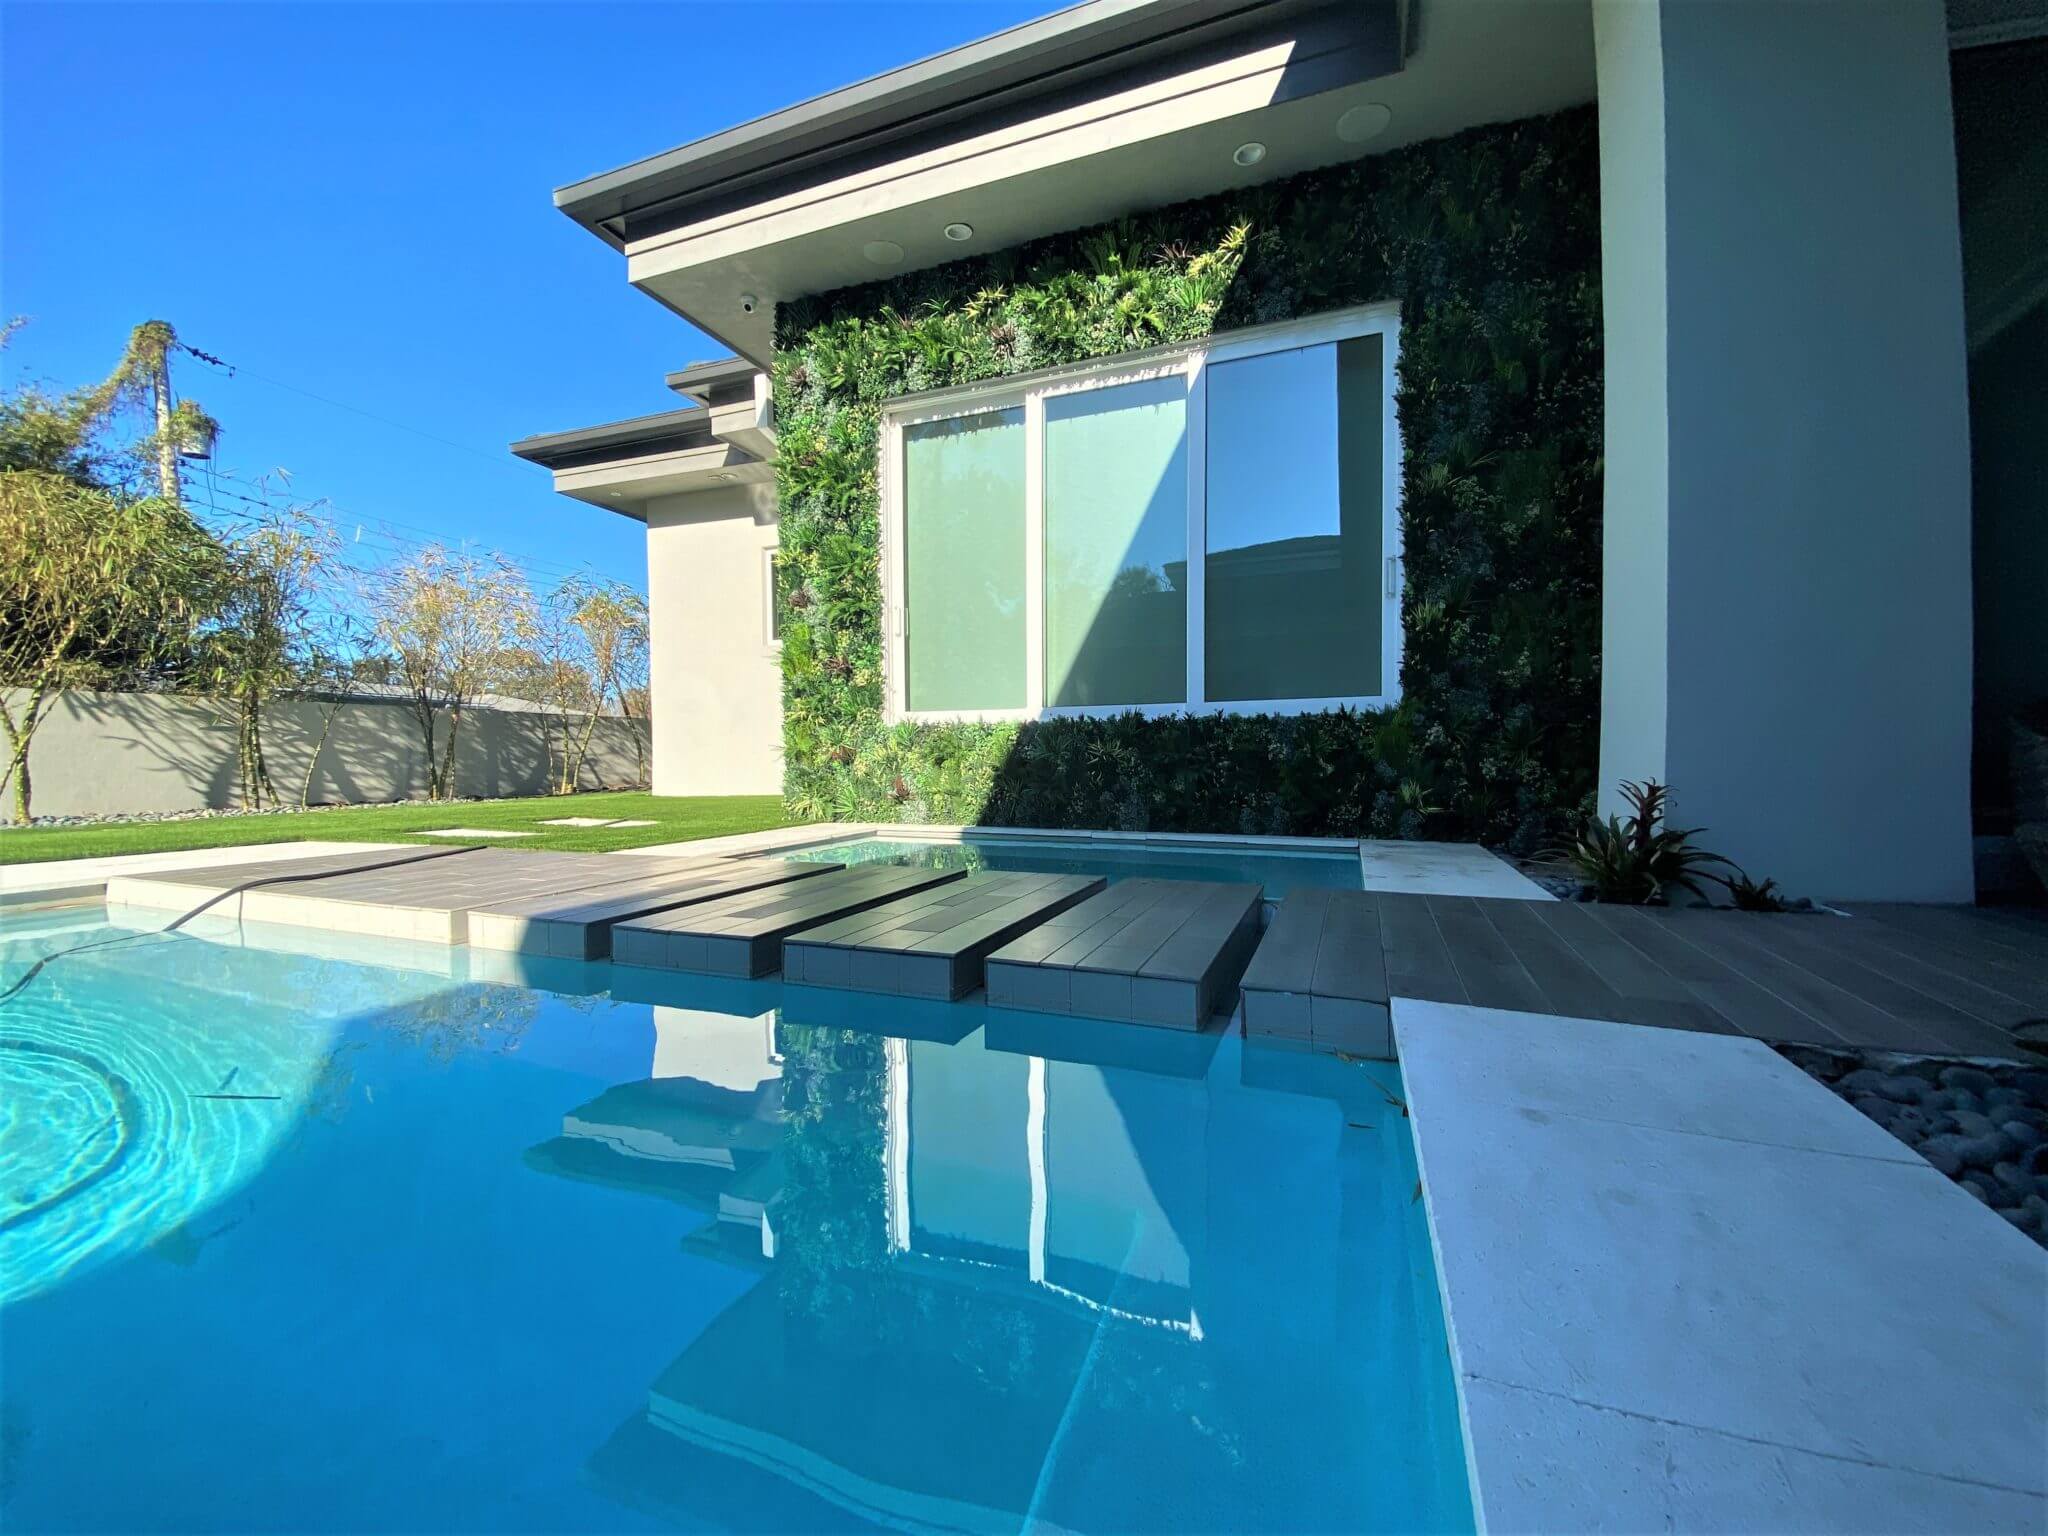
(1203, 528)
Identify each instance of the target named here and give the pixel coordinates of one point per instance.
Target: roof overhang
(1103, 109)
(623, 465)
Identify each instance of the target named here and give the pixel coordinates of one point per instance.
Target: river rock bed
(1983, 1123)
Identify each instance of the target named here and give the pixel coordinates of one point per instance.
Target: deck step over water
(580, 925)
(1164, 952)
(1320, 977)
(742, 935)
(932, 944)
(428, 898)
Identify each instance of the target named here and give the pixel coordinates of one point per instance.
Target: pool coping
(1639, 1341)
(1384, 864)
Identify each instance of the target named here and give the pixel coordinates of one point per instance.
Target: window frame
(1190, 361)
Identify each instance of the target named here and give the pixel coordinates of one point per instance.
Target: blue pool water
(1279, 872)
(302, 1233)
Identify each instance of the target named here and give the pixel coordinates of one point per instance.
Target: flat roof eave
(1032, 57)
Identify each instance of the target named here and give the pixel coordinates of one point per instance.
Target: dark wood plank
(1569, 986)
(1840, 1012)
(1745, 1007)
(1961, 929)
(1418, 960)
(1215, 913)
(1285, 960)
(1350, 961)
(1937, 972)
(1492, 975)
(1647, 993)
(1813, 943)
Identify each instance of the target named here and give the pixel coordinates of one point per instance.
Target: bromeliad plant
(1636, 858)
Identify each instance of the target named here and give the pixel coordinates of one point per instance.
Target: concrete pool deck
(1689, 1289)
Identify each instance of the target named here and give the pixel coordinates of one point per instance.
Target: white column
(1787, 528)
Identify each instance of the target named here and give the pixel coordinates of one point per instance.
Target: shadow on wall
(122, 753)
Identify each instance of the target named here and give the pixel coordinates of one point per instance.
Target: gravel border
(1982, 1123)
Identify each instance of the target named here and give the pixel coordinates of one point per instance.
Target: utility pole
(166, 440)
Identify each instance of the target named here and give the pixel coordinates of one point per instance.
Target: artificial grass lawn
(674, 819)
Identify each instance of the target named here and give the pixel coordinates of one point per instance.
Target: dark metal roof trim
(1037, 57)
(640, 437)
(715, 383)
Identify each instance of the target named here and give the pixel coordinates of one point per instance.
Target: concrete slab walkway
(1688, 1289)
(85, 879)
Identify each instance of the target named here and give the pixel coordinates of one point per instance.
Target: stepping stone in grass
(629, 823)
(576, 821)
(470, 832)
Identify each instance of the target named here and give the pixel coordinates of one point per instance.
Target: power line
(235, 370)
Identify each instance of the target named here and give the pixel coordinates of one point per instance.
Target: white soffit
(627, 485)
(1158, 143)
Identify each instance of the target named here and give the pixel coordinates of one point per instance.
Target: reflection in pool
(495, 1245)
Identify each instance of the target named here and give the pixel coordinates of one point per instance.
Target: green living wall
(1490, 241)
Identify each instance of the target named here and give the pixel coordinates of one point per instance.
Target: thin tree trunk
(20, 733)
(573, 774)
(448, 754)
(313, 762)
(423, 714)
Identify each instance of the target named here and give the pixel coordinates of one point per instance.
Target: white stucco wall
(112, 754)
(718, 723)
(1788, 609)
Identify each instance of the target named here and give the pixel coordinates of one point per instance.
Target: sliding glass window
(1211, 527)
(963, 513)
(1293, 549)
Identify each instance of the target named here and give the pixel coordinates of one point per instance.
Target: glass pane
(1292, 568)
(963, 519)
(1116, 557)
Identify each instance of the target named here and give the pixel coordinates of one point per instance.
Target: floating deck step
(579, 925)
(932, 944)
(742, 935)
(428, 898)
(1320, 977)
(1163, 952)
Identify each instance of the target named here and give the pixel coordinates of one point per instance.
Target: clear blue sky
(354, 200)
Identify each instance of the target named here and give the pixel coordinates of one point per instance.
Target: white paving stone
(80, 879)
(586, 821)
(1708, 1085)
(477, 832)
(629, 823)
(1715, 1257)
(1555, 1465)
(1443, 869)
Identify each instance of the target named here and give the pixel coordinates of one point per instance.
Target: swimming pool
(1277, 870)
(305, 1232)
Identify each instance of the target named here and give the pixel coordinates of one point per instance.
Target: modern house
(1483, 402)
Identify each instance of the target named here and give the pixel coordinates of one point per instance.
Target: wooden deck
(1164, 952)
(933, 944)
(579, 925)
(1929, 980)
(742, 935)
(1320, 978)
(428, 898)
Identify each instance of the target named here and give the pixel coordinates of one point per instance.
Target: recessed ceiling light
(1364, 122)
(959, 232)
(724, 477)
(1249, 154)
(883, 253)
